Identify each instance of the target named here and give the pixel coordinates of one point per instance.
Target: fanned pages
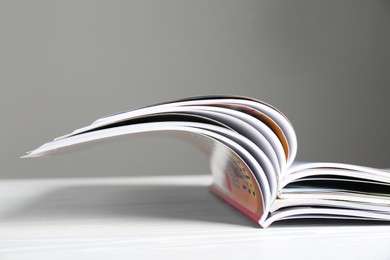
(251, 148)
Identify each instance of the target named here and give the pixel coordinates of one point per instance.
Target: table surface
(162, 217)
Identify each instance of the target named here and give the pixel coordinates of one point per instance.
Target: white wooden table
(161, 218)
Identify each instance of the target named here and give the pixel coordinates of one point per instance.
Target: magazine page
(237, 174)
(73, 142)
(335, 178)
(244, 133)
(223, 116)
(333, 172)
(268, 111)
(331, 194)
(325, 212)
(321, 202)
(333, 190)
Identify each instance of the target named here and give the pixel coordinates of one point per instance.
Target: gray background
(63, 64)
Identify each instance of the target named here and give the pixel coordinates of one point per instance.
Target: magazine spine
(234, 203)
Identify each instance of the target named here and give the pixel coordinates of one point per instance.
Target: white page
(222, 115)
(301, 171)
(308, 212)
(279, 118)
(264, 153)
(375, 175)
(247, 125)
(302, 166)
(298, 202)
(66, 144)
(243, 128)
(263, 133)
(332, 194)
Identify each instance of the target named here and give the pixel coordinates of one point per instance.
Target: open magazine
(251, 146)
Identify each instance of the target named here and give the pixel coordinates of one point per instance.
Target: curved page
(266, 109)
(233, 177)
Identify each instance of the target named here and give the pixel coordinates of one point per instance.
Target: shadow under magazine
(85, 202)
(185, 203)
